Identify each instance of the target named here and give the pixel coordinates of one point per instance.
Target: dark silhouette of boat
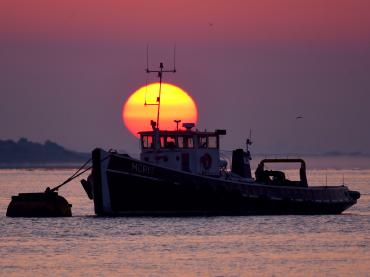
(180, 173)
(122, 185)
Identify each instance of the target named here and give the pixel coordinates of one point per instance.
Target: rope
(77, 173)
(74, 175)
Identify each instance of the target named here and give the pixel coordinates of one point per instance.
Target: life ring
(206, 161)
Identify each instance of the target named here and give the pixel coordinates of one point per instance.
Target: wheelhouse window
(202, 142)
(185, 142)
(168, 142)
(212, 142)
(147, 142)
(208, 141)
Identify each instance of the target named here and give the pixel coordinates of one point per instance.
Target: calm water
(203, 246)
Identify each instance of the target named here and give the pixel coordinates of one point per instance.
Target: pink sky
(344, 21)
(68, 66)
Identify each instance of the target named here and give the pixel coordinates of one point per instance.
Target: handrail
(286, 160)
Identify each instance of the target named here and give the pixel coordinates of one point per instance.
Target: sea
(86, 245)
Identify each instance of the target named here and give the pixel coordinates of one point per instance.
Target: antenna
(174, 58)
(160, 75)
(177, 124)
(146, 90)
(147, 58)
(249, 140)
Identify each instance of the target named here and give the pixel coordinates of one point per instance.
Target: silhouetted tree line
(25, 151)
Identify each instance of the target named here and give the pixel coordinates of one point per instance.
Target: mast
(249, 142)
(160, 75)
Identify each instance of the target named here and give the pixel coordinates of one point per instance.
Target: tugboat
(180, 173)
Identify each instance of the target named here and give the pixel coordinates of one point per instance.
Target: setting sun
(176, 104)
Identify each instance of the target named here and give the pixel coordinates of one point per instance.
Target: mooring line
(76, 174)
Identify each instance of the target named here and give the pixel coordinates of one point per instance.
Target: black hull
(126, 186)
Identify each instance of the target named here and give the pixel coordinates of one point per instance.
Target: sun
(176, 104)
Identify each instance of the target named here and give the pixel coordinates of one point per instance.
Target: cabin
(183, 149)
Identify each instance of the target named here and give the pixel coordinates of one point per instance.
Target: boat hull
(125, 186)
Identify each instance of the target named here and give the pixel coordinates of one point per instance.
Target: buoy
(44, 204)
(39, 204)
(48, 203)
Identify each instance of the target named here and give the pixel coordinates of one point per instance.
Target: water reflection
(202, 246)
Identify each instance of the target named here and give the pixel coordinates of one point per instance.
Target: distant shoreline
(24, 154)
(41, 165)
(27, 154)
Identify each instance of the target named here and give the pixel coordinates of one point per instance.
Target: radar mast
(160, 75)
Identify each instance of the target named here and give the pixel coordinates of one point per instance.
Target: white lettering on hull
(142, 169)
